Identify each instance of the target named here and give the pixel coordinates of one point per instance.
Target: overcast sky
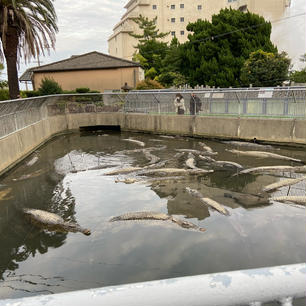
(85, 26)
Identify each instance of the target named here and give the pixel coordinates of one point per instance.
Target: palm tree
(28, 27)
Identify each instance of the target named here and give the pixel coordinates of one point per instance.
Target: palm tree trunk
(10, 53)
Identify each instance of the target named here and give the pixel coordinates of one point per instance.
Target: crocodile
(274, 169)
(52, 222)
(225, 163)
(140, 143)
(222, 163)
(295, 199)
(30, 175)
(149, 215)
(249, 144)
(32, 161)
(142, 215)
(284, 183)
(152, 158)
(178, 171)
(123, 171)
(207, 158)
(190, 162)
(261, 154)
(205, 147)
(189, 151)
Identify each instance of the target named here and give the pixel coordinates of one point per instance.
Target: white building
(174, 15)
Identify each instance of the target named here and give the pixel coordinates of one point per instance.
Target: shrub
(30, 93)
(82, 90)
(4, 94)
(149, 84)
(49, 87)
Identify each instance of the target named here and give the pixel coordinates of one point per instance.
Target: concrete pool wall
(24, 131)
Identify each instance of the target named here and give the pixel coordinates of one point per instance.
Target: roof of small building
(26, 76)
(88, 61)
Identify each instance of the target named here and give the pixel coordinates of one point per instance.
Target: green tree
(26, 26)
(148, 28)
(265, 69)
(215, 52)
(150, 51)
(170, 71)
(299, 76)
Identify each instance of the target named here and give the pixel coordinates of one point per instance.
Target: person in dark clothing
(195, 104)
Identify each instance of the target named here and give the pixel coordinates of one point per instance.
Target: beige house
(94, 70)
(174, 15)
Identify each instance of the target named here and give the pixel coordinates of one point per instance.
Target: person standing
(179, 104)
(195, 104)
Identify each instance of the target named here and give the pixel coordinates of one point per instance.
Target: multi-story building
(174, 15)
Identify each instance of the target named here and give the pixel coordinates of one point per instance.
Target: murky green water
(34, 261)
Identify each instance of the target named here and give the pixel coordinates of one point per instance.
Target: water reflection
(72, 184)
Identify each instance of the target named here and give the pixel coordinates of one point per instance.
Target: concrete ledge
(17, 146)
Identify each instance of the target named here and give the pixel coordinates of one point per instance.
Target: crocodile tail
(115, 219)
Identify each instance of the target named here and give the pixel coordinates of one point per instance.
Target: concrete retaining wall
(20, 143)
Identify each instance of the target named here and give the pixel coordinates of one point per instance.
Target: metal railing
(20, 113)
(259, 102)
(245, 287)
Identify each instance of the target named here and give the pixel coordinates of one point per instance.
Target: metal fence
(258, 102)
(20, 113)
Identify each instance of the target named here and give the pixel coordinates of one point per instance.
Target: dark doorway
(100, 128)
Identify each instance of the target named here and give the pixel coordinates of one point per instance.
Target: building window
(172, 20)
(182, 5)
(182, 32)
(172, 6)
(182, 19)
(154, 6)
(199, 7)
(173, 33)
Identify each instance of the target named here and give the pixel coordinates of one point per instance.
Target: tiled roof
(88, 61)
(26, 76)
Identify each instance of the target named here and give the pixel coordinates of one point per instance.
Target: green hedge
(4, 94)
